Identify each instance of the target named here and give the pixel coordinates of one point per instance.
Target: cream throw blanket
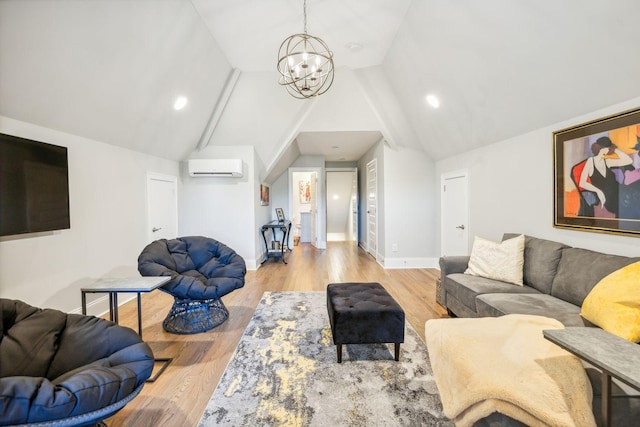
(504, 364)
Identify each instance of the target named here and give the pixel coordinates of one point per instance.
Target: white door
(313, 184)
(455, 214)
(162, 207)
(372, 207)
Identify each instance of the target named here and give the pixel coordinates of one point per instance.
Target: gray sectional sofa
(557, 278)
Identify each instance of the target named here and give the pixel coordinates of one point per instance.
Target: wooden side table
(614, 356)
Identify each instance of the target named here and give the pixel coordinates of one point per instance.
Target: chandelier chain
(305, 16)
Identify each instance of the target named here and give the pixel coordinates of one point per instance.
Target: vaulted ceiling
(110, 70)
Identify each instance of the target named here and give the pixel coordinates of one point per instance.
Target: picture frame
(280, 214)
(264, 195)
(304, 191)
(597, 175)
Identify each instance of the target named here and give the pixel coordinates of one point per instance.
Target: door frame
(366, 199)
(462, 173)
(160, 177)
(321, 216)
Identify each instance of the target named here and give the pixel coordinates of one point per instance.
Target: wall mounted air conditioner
(215, 167)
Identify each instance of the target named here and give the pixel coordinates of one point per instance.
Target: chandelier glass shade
(305, 64)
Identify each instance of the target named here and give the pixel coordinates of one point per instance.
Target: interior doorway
(162, 206)
(342, 205)
(307, 206)
(301, 206)
(455, 214)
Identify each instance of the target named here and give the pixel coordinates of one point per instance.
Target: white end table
(138, 285)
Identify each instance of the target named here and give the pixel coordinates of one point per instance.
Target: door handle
(461, 227)
(154, 229)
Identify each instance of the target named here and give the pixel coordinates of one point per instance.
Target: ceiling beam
(273, 170)
(219, 108)
(363, 80)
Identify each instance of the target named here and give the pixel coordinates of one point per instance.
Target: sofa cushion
(495, 305)
(466, 288)
(580, 269)
(541, 258)
(614, 303)
(500, 261)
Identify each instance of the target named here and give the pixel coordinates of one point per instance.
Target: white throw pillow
(500, 261)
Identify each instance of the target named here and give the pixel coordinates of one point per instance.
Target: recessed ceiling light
(353, 47)
(336, 197)
(334, 147)
(433, 101)
(180, 103)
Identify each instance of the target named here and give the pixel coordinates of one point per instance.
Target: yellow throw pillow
(614, 303)
(499, 261)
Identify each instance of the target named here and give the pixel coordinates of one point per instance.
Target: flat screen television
(34, 186)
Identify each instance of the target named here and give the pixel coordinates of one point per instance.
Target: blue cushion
(201, 268)
(55, 365)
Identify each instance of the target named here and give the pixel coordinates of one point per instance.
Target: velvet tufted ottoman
(364, 313)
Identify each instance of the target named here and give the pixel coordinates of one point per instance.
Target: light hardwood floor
(181, 393)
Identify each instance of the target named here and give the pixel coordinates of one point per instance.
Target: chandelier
(305, 64)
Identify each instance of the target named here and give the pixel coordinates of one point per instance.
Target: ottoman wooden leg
(397, 345)
(339, 350)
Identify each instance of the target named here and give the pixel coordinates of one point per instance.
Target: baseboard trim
(100, 306)
(401, 263)
(252, 264)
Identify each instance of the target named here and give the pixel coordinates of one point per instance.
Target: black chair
(202, 271)
(59, 369)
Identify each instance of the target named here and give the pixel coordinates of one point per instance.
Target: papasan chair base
(189, 316)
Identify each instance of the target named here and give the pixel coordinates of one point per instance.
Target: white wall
(262, 213)
(511, 188)
(280, 197)
(223, 208)
(108, 208)
(409, 209)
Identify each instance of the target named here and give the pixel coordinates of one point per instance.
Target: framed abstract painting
(597, 175)
(264, 195)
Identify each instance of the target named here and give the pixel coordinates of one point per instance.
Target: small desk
(613, 355)
(113, 286)
(285, 227)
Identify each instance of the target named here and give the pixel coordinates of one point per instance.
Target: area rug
(284, 373)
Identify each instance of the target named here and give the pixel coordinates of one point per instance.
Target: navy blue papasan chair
(202, 271)
(59, 369)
